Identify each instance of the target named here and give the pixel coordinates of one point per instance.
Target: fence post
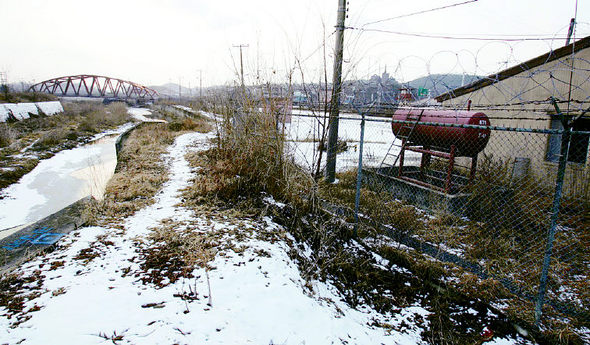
(359, 177)
(565, 144)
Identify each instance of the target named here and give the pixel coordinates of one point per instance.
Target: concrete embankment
(23, 111)
(22, 242)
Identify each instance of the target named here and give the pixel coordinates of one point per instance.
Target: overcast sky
(156, 42)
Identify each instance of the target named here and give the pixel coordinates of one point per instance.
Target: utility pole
(200, 83)
(179, 89)
(242, 64)
(336, 90)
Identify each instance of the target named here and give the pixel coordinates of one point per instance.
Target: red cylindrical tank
(468, 141)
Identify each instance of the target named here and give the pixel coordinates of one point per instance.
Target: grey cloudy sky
(155, 42)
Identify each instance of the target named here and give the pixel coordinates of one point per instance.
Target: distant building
(381, 90)
(406, 95)
(300, 99)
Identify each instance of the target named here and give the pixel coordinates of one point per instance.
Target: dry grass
(94, 120)
(197, 124)
(174, 252)
(52, 138)
(246, 161)
(505, 234)
(140, 172)
(24, 97)
(15, 291)
(7, 135)
(83, 117)
(380, 208)
(15, 170)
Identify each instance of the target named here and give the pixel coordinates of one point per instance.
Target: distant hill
(441, 83)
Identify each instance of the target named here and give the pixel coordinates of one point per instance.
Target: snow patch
(50, 108)
(22, 111)
(271, 201)
(182, 107)
(305, 126)
(141, 114)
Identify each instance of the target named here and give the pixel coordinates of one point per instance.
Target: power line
(318, 48)
(419, 12)
(449, 37)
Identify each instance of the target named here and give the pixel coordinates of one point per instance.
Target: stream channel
(59, 181)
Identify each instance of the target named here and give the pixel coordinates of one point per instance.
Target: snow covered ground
(254, 295)
(141, 114)
(257, 299)
(304, 133)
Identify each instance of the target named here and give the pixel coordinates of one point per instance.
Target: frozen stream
(59, 181)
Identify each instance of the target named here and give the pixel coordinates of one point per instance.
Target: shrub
(18, 97)
(175, 126)
(51, 138)
(7, 135)
(88, 124)
(247, 160)
(116, 114)
(189, 124)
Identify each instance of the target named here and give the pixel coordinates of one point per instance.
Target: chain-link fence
(488, 177)
(507, 207)
(510, 204)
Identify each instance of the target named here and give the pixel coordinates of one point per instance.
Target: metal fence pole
(359, 177)
(565, 144)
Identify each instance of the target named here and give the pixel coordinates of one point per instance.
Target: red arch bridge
(85, 85)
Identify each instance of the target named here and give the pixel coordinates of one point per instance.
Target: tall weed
(7, 135)
(248, 159)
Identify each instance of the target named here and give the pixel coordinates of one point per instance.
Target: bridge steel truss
(94, 86)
